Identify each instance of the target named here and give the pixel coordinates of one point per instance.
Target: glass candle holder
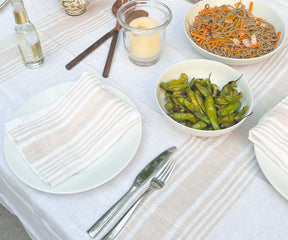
(74, 7)
(144, 24)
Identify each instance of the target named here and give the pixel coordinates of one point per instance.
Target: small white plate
(275, 175)
(104, 169)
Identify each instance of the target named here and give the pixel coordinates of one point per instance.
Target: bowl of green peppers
(203, 97)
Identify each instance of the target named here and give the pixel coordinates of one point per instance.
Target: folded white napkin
(67, 136)
(271, 134)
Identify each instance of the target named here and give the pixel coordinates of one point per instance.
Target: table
(217, 191)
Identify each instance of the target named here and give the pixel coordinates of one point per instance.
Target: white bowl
(220, 74)
(259, 10)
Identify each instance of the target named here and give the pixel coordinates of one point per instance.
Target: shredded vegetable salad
(233, 31)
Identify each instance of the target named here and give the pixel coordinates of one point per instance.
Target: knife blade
(140, 180)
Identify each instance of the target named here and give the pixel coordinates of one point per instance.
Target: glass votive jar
(144, 25)
(74, 7)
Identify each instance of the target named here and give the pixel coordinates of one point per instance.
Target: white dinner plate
(101, 171)
(274, 174)
(3, 2)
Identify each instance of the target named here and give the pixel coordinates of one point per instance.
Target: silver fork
(156, 183)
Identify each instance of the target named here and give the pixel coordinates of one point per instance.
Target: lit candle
(144, 45)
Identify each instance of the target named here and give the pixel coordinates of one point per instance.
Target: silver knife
(140, 179)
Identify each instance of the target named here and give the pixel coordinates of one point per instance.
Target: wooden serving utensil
(113, 32)
(131, 16)
(109, 59)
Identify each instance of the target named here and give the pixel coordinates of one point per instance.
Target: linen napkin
(67, 136)
(271, 134)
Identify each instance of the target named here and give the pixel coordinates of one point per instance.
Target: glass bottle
(26, 36)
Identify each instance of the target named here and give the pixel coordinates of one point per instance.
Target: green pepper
(233, 97)
(177, 87)
(214, 90)
(200, 101)
(227, 119)
(172, 88)
(165, 86)
(240, 115)
(211, 112)
(204, 91)
(184, 116)
(186, 103)
(209, 85)
(229, 109)
(221, 100)
(169, 106)
(192, 97)
(178, 93)
(199, 125)
(177, 107)
(229, 86)
(202, 117)
(226, 125)
(182, 80)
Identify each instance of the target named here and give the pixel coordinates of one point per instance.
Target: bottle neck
(19, 12)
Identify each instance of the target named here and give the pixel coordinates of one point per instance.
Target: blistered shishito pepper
(164, 85)
(226, 99)
(177, 87)
(199, 125)
(221, 100)
(203, 117)
(227, 119)
(214, 90)
(204, 91)
(233, 97)
(182, 80)
(177, 107)
(241, 114)
(169, 106)
(226, 125)
(211, 112)
(229, 109)
(172, 88)
(192, 97)
(178, 93)
(186, 103)
(184, 116)
(200, 101)
(209, 85)
(229, 86)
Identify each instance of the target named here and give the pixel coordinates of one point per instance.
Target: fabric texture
(271, 134)
(217, 190)
(67, 136)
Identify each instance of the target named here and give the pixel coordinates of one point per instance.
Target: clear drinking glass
(144, 25)
(74, 7)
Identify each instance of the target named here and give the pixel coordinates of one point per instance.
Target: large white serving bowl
(220, 74)
(259, 10)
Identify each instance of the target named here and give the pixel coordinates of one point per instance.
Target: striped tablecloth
(218, 190)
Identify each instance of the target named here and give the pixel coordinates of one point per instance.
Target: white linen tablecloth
(217, 191)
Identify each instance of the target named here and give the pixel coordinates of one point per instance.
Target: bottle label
(37, 51)
(20, 17)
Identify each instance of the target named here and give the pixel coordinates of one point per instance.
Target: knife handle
(88, 50)
(97, 226)
(124, 219)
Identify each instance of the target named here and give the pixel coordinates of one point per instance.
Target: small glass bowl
(74, 7)
(144, 24)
